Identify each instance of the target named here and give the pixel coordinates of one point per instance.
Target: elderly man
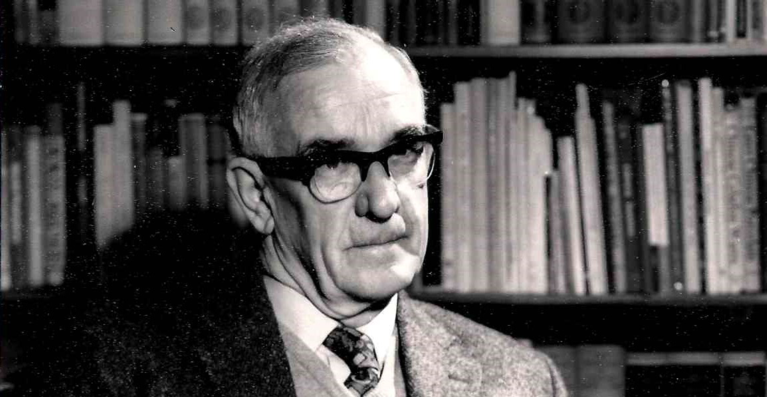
(333, 155)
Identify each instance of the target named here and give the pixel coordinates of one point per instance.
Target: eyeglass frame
(303, 168)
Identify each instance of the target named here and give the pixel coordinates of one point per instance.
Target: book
(104, 173)
(709, 184)
(591, 201)
(138, 126)
(395, 21)
(572, 208)
(17, 207)
(469, 27)
(197, 26)
(750, 198)
(541, 163)
(733, 178)
(498, 162)
(500, 22)
(627, 21)
(165, 20)
(557, 259)
(408, 33)
(48, 24)
(615, 228)
(371, 14)
(514, 162)
(218, 144)
(729, 24)
(224, 24)
(315, 8)
(255, 19)
(124, 22)
(714, 24)
(519, 142)
(463, 147)
(5, 212)
(655, 204)
(689, 191)
(480, 222)
(20, 21)
(122, 168)
(450, 23)
(54, 203)
(673, 279)
(34, 206)
(580, 22)
(285, 11)
(668, 21)
(194, 150)
(81, 22)
(449, 205)
(535, 16)
(432, 15)
(697, 27)
(33, 22)
(722, 273)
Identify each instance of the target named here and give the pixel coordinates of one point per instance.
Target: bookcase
(203, 79)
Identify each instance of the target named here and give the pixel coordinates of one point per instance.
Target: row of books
(609, 370)
(402, 22)
(59, 192)
(623, 202)
(158, 22)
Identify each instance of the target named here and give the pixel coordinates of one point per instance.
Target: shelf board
(626, 300)
(594, 51)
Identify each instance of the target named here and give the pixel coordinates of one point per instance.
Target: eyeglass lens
(337, 181)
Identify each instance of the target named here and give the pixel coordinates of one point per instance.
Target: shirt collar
(294, 311)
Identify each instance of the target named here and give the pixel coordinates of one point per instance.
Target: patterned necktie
(356, 349)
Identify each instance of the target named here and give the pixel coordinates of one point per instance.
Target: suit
(226, 342)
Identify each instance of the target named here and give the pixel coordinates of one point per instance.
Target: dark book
(430, 19)
(54, 196)
(450, 23)
(17, 207)
(409, 22)
(536, 21)
(714, 13)
(468, 22)
(394, 22)
(627, 21)
(668, 21)
(672, 279)
(742, 19)
(580, 21)
(697, 28)
(138, 138)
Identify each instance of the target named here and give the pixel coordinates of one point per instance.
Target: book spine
(5, 211)
(501, 184)
(615, 221)
(217, 145)
(628, 176)
(255, 21)
(164, 22)
(591, 201)
(709, 183)
(751, 215)
(557, 259)
(762, 138)
(17, 208)
(668, 21)
(224, 24)
(428, 33)
(81, 22)
(394, 19)
(627, 21)
(48, 25)
(730, 21)
(742, 23)
(451, 22)
(689, 179)
(500, 22)
(733, 198)
(697, 28)
(514, 164)
(464, 258)
(675, 282)
(714, 20)
(449, 207)
(469, 28)
(536, 21)
(496, 256)
(479, 184)
(375, 16)
(653, 157)
(757, 21)
(722, 279)
(580, 22)
(104, 205)
(20, 21)
(138, 123)
(197, 22)
(194, 151)
(519, 187)
(124, 22)
(33, 173)
(122, 167)
(543, 165)
(54, 204)
(571, 200)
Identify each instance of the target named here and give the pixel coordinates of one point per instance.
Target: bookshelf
(207, 76)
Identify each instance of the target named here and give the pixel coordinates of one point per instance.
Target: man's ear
(247, 184)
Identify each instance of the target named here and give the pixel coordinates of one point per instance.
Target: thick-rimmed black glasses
(335, 175)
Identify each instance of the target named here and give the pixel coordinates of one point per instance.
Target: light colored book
(480, 224)
(615, 217)
(557, 261)
(730, 21)
(500, 22)
(572, 209)
(519, 178)
(511, 182)
(750, 198)
(104, 175)
(165, 22)
(54, 197)
(689, 180)
(720, 206)
(449, 210)
(591, 200)
(255, 21)
(224, 22)
(124, 22)
(464, 259)
(33, 174)
(709, 184)
(541, 164)
(656, 198)
(197, 26)
(81, 22)
(733, 198)
(498, 151)
(122, 167)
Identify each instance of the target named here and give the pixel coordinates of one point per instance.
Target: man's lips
(378, 242)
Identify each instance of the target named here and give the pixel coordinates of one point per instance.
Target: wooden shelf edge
(437, 296)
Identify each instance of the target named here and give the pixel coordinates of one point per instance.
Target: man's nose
(379, 198)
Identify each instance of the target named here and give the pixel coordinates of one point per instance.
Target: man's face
(346, 254)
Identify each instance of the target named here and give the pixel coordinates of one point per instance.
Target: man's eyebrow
(413, 130)
(324, 145)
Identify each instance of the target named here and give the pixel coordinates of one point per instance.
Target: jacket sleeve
(557, 383)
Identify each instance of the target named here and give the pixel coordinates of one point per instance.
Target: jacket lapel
(434, 361)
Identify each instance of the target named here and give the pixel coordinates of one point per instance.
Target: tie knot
(357, 351)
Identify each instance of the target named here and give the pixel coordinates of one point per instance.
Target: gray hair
(298, 47)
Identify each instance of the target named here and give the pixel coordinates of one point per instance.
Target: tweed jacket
(222, 339)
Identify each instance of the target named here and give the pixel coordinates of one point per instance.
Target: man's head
(345, 239)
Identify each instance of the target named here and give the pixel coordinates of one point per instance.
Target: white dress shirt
(295, 312)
